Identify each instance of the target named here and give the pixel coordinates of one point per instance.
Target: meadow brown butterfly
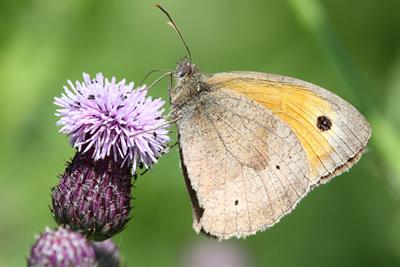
(252, 144)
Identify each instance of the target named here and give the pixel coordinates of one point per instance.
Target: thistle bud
(93, 196)
(61, 248)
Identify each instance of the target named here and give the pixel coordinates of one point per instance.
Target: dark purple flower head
(61, 248)
(93, 197)
(110, 118)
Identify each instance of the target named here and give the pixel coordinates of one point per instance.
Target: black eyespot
(277, 166)
(324, 123)
(236, 202)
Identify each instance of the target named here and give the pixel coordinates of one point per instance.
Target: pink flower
(113, 119)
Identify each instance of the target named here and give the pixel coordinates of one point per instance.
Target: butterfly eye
(184, 70)
(181, 74)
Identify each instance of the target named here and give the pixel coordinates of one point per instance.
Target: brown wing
(244, 167)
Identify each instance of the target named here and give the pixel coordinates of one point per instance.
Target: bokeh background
(349, 47)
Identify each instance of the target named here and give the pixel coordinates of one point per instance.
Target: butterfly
(252, 145)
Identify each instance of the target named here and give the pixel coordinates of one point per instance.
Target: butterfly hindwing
(243, 166)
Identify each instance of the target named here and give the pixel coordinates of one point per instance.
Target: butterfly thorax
(189, 83)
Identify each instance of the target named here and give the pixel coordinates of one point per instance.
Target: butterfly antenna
(177, 30)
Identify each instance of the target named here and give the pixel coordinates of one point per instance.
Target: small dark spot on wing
(324, 123)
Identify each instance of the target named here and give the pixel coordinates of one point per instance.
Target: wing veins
(266, 128)
(262, 155)
(262, 181)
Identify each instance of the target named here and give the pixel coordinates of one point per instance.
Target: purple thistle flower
(93, 197)
(61, 248)
(107, 253)
(112, 119)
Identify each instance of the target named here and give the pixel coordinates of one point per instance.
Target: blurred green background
(349, 47)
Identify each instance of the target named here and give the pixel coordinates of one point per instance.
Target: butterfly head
(185, 69)
(189, 82)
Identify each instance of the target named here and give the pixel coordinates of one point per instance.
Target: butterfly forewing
(332, 132)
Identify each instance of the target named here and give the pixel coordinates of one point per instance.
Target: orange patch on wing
(296, 106)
